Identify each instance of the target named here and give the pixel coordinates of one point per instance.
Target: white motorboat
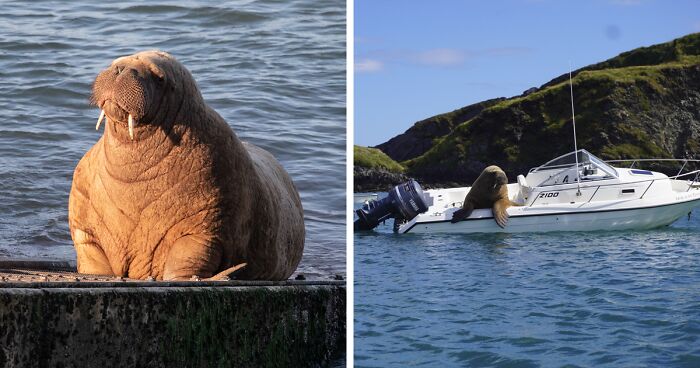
(554, 197)
(573, 192)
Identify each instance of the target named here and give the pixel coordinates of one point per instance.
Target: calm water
(275, 70)
(615, 299)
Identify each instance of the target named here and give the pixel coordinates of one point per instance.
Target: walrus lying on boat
(170, 192)
(490, 190)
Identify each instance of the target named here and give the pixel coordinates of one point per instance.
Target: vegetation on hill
(423, 134)
(642, 103)
(372, 158)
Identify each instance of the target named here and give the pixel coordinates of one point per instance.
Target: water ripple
(529, 300)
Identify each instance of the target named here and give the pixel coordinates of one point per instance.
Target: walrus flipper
(192, 255)
(462, 213)
(91, 259)
(499, 211)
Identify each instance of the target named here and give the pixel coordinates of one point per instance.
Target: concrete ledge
(154, 324)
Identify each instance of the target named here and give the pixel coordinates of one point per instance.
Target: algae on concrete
(252, 326)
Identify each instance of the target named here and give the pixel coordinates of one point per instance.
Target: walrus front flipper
(192, 255)
(90, 256)
(462, 213)
(499, 211)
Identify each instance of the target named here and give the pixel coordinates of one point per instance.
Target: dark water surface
(275, 70)
(604, 299)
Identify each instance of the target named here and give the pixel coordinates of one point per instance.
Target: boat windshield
(561, 170)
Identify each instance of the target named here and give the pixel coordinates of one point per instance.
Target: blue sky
(416, 59)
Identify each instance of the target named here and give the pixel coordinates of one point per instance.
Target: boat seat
(524, 192)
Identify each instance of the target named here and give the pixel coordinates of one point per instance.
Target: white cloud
(368, 66)
(441, 57)
(381, 59)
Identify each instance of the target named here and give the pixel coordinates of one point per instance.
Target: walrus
(490, 190)
(169, 191)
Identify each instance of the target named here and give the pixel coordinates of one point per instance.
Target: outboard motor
(403, 203)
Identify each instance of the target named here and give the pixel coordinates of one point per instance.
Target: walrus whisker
(131, 127)
(99, 120)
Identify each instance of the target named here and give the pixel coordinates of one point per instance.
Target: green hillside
(642, 103)
(372, 158)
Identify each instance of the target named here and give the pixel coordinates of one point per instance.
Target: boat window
(562, 170)
(564, 161)
(609, 170)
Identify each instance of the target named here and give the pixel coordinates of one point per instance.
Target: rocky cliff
(422, 135)
(375, 180)
(374, 171)
(642, 103)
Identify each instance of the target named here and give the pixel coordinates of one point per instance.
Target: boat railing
(680, 172)
(691, 183)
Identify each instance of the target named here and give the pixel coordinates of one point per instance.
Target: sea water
(274, 70)
(598, 299)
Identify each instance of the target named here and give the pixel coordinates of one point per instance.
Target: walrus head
(133, 89)
(495, 175)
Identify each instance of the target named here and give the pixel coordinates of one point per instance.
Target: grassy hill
(372, 158)
(642, 103)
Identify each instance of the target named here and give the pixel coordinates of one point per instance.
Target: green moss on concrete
(183, 327)
(373, 158)
(194, 332)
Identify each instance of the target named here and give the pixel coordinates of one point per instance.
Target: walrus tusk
(99, 120)
(131, 127)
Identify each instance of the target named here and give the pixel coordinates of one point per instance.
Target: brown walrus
(170, 192)
(490, 190)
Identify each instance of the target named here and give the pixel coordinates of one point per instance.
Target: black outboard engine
(403, 203)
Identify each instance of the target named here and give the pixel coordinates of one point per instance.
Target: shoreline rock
(375, 180)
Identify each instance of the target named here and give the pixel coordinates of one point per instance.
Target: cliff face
(421, 136)
(375, 171)
(375, 180)
(643, 103)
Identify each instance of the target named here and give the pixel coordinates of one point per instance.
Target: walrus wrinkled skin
(170, 192)
(490, 190)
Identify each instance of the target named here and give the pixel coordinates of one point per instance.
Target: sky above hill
(416, 59)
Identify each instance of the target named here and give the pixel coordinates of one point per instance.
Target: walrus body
(490, 190)
(170, 192)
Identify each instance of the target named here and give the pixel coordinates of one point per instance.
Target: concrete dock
(56, 319)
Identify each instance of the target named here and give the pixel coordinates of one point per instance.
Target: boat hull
(599, 219)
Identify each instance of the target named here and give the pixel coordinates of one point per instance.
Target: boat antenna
(573, 119)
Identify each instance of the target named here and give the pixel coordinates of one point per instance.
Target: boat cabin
(563, 170)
